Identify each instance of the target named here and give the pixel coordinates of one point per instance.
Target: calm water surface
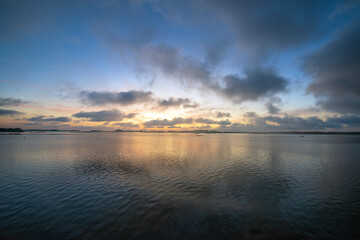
(179, 186)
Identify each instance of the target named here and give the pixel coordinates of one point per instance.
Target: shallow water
(179, 186)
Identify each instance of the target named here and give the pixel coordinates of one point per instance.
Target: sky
(246, 65)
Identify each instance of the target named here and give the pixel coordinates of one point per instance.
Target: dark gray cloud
(95, 98)
(211, 121)
(346, 104)
(293, 123)
(7, 112)
(250, 114)
(11, 101)
(215, 52)
(48, 119)
(104, 116)
(131, 115)
(177, 102)
(346, 120)
(257, 83)
(298, 123)
(224, 122)
(335, 69)
(259, 27)
(127, 125)
(222, 115)
(166, 122)
(267, 123)
(173, 63)
(264, 25)
(205, 121)
(314, 123)
(272, 105)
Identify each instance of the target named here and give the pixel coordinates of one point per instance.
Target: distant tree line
(11, 130)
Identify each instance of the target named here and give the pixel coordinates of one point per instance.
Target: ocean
(179, 186)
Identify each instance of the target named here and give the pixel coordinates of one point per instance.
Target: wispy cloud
(7, 112)
(12, 101)
(272, 105)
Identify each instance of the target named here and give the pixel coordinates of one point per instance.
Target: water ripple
(179, 186)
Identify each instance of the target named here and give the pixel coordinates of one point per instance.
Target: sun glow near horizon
(153, 65)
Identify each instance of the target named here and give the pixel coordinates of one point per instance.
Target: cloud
(127, 125)
(191, 105)
(335, 69)
(346, 120)
(215, 52)
(211, 121)
(176, 102)
(173, 63)
(224, 122)
(6, 112)
(67, 89)
(138, 48)
(258, 27)
(293, 123)
(104, 116)
(205, 121)
(95, 98)
(268, 123)
(222, 115)
(250, 114)
(11, 101)
(168, 60)
(260, 24)
(131, 115)
(48, 119)
(271, 105)
(313, 123)
(257, 83)
(166, 122)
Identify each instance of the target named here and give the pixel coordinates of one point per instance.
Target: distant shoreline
(19, 131)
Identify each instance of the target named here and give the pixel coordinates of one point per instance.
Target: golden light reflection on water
(166, 182)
